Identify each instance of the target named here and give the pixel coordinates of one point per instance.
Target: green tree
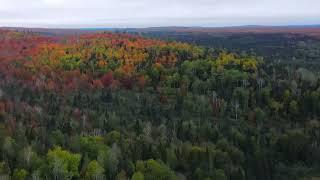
(137, 176)
(112, 161)
(293, 108)
(19, 174)
(91, 145)
(28, 158)
(219, 175)
(63, 164)
(94, 171)
(9, 147)
(157, 170)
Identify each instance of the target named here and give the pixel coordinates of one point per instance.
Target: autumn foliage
(70, 62)
(107, 79)
(92, 61)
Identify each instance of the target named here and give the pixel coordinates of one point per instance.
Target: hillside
(120, 106)
(313, 31)
(297, 45)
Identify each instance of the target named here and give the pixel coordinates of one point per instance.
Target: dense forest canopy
(300, 46)
(120, 106)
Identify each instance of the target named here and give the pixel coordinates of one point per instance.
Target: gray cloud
(141, 13)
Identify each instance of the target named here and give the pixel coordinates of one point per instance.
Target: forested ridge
(286, 46)
(119, 106)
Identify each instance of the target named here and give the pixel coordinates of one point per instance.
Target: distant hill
(48, 31)
(310, 30)
(313, 30)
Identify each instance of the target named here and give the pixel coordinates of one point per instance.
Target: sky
(155, 13)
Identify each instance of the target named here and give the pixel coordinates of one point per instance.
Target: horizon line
(147, 27)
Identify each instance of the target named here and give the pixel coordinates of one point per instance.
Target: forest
(299, 46)
(121, 106)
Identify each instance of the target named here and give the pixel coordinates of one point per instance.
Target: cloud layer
(142, 13)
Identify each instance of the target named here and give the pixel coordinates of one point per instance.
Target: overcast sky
(146, 13)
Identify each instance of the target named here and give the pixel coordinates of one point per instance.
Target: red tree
(107, 79)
